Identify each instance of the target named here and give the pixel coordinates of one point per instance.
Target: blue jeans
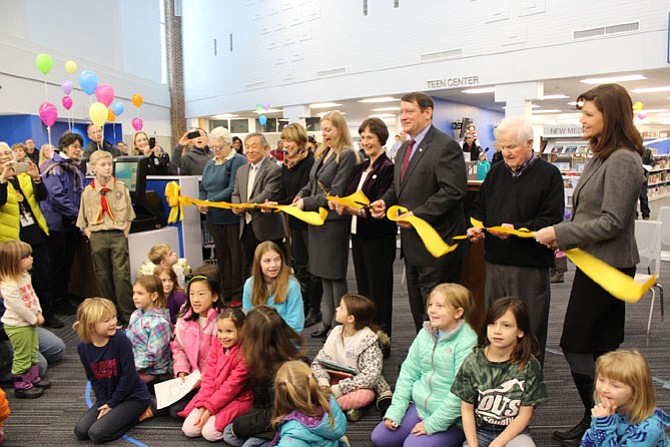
(233, 440)
(51, 350)
(487, 434)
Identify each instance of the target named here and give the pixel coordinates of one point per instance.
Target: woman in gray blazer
(603, 224)
(328, 245)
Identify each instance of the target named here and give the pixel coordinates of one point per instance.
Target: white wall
(281, 43)
(118, 40)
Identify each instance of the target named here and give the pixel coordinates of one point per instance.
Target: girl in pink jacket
(224, 391)
(195, 333)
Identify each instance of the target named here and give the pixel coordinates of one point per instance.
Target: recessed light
(324, 105)
(624, 78)
(547, 111)
(386, 109)
(572, 103)
(382, 115)
(652, 89)
(224, 116)
(653, 110)
(325, 113)
(554, 97)
(477, 91)
(380, 99)
(263, 112)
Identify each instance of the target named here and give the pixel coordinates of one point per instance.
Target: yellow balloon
(638, 106)
(98, 113)
(70, 67)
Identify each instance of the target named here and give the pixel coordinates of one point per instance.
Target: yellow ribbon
(177, 202)
(616, 283)
(430, 238)
(355, 200)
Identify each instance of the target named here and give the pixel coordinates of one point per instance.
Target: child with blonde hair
(22, 316)
(224, 391)
(121, 396)
(303, 414)
(424, 412)
(625, 413)
(354, 344)
(162, 255)
(150, 330)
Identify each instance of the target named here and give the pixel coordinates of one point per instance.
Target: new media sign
(562, 131)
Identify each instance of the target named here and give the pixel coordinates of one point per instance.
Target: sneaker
(148, 414)
(354, 415)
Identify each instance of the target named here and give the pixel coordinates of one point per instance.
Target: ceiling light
(382, 115)
(652, 110)
(386, 109)
(224, 116)
(572, 103)
(559, 96)
(547, 111)
(476, 91)
(380, 99)
(323, 105)
(320, 114)
(651, 89)
(263, 112)
(624, 78)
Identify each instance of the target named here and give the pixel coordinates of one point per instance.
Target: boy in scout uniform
(105, 215)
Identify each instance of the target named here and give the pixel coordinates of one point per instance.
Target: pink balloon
(67, 102)
(104, 94)
(641, 115)
(137, 124)
(48, 113)
(66, 86)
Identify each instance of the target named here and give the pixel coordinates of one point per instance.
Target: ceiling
(571, 87)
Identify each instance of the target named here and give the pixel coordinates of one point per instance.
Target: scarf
(104, 202)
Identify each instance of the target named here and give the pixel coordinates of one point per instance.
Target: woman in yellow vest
(21, 188)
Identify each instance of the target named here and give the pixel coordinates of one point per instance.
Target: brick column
(175, 71)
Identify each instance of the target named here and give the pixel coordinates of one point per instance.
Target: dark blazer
(434, 187)
(376, 183)
(604, 203)
(335, 178)
(267, 186)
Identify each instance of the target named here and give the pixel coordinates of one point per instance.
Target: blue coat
(292, 310)
(65, 183)
(217, 185)
(300, 430)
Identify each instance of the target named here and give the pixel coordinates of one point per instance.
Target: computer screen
(126, 171)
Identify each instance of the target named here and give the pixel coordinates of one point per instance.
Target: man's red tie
(405, 159)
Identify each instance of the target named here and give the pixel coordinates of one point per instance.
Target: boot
(312, 318)
(584, 386)
(24, 389)
(35, 378)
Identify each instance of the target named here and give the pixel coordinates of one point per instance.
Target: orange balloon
(137, 99)
(110, 115)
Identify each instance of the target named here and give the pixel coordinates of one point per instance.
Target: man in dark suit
(431, 182)
(98, 143)
(258, 181)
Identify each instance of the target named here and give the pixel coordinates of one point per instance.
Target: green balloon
(259, 108)
(44, 63)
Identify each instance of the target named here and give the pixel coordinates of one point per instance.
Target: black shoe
(53, 322)
(321, 332)
(575, 433)
(312, 319)
(383, 404)
(43, 383)
(30, 393)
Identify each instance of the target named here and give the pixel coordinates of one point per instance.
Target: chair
(664, 217)
(648, 238)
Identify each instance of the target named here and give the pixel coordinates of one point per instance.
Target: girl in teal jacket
(423, 406)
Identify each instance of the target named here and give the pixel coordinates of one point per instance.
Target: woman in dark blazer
(373, 241)
(327, 244)
(603, 224)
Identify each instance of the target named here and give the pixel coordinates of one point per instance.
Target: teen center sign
(453, 82)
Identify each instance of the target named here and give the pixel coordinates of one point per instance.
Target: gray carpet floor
(49, 420)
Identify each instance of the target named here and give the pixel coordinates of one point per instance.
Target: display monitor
(131, 171)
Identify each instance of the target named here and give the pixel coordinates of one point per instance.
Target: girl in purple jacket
(224, 390)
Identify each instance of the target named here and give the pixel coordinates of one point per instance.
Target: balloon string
(49, 134)
(46, 90)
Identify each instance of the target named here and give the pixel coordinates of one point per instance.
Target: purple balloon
(66, 86)
(48, 113)
(137, 124)
(67, 102)
(266, 106)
